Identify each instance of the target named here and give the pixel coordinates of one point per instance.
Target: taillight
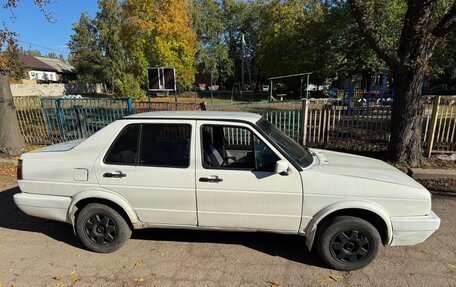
(19, 170)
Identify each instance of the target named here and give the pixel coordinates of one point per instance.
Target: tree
(30, 52)
(13, 64)
(159, 33)
(211, 52)
(108, 23)
(85, 53)
(11, 141)
(408, 60)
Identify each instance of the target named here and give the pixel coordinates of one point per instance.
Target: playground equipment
(301, 76)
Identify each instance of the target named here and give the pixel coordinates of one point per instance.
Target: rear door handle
(115, 174)
(214, 179)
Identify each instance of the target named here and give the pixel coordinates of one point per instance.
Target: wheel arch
(114, 201)
(368, 211)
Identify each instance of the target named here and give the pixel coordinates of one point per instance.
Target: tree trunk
(11, 141)
(406, 122)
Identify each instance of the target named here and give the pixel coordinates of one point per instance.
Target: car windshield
(296, 151)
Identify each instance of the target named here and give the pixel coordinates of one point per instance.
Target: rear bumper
(413, 230)
(44, 206)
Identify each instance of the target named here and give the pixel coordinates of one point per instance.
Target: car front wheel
(101, 229)
(348, 243)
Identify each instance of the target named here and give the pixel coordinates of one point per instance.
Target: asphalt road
(37, 252)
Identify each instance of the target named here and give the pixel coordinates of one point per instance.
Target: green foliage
(282, 37)
(12, 64)
(159, 33)
(128, 86)
(108, 22)
(85, 53)
(211, 54)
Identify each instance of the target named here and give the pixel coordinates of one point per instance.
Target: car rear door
(236, 184)
(151, 164)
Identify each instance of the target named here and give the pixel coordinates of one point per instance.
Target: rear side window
(165, 145)
(124, 150)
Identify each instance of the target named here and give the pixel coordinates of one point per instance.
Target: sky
(35, 32)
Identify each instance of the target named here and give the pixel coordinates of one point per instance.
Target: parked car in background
(223, 171)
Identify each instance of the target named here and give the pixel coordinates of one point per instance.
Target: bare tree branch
(375, 39)
(447, 23)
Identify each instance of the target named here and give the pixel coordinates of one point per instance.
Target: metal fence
(321, 123)
(145, 106)
(45, 121)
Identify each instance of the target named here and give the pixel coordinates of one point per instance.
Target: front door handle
(215, 179)
(116, 174)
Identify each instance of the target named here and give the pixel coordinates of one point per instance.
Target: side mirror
(281, 167)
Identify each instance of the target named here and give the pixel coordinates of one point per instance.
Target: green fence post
(60, 119)
(130, 106)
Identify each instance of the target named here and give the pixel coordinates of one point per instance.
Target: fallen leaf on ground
(273, 284)
(60, 285)
(58, 277)
(139, 279)
(74, 277)
(138, 263)
(452, 266)
(330, 279)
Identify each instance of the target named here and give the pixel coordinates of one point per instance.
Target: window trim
(251, 124)
(138, 153)
(225, 168)
(167, 166)
(115, 140)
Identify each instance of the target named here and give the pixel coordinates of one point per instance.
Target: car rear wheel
(101, 229)
(348, 243)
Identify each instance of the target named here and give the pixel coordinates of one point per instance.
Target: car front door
(151, 164)
(236, 184)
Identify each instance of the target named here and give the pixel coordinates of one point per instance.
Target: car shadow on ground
(290, 247)
(13, 218)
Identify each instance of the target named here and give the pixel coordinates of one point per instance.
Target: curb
(4, 161)
(444, 193)
(429, 173)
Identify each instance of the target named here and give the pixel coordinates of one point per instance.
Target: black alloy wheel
(347, 243)
(101, 228)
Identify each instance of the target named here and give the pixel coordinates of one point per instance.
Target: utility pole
(242, 63)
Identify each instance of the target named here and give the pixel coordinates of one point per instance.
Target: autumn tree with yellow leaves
(151, 34)
(159, 33)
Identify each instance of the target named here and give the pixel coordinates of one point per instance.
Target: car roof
(198, 115)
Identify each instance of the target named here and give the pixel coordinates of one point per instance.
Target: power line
(43, 47)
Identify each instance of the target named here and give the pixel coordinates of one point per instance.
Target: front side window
(165, 145)
(229, 147)
(296, 151)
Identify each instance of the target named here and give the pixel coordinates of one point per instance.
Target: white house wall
(55, 90)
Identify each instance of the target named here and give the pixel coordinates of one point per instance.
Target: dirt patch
(435, 162)
(7, 176)
(441, 184)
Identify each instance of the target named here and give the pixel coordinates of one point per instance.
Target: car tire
(348, 243)
(101, 229)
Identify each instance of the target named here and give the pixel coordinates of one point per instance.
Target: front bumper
(413, 230)
(44, 206)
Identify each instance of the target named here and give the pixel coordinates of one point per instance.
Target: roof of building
(58, 65)
(33, 63)
(199, 115)
(45, 64)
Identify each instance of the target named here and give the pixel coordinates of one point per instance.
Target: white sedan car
(223, 171)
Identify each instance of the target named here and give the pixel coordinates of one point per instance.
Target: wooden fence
(335, 125)
(440, 133)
